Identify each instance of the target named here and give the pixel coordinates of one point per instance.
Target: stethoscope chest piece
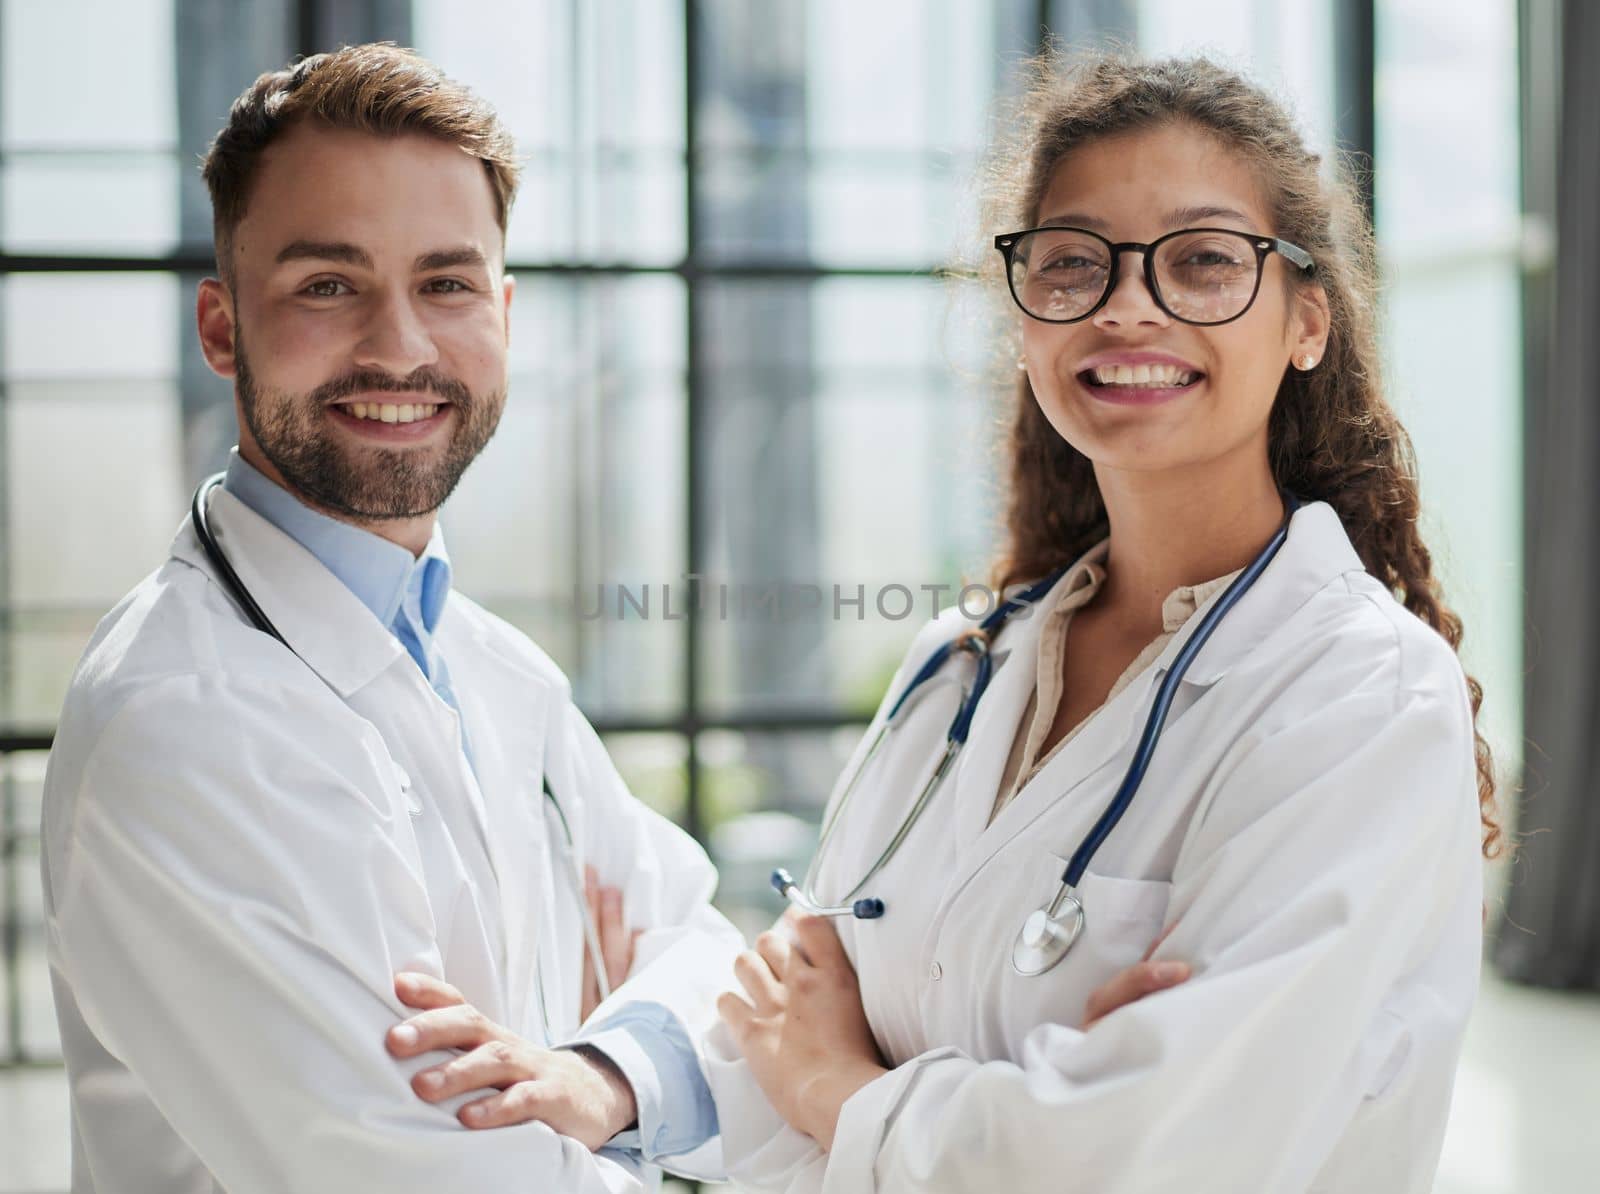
(1048, 934)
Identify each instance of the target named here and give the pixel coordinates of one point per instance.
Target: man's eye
(326, 288)
(456, 284)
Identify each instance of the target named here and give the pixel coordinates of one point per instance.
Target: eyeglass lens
(1203, 277)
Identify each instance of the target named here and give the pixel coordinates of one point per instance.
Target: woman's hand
(616, 942)
(1143, 978)
(805, 1034)
(578, 1093)
(802, 1030)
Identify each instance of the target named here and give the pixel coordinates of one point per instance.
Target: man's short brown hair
(378, 88)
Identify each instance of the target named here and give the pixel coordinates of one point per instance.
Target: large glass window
(107, 415)
(1451, 243)
(88, 149)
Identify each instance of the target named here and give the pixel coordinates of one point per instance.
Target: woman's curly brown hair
(1332, 436)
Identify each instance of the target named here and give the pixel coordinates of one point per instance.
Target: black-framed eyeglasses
(1203, 276)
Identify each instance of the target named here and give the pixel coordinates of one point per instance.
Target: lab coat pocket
(1123, 901)
(1122, 917)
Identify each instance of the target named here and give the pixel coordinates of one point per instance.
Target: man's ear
(508, 288)
(216, 319)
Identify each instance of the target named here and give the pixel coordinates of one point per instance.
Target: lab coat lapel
(322, 620)
(507, 709)
(340, 639)
(994, 726)
(989, 740)
(1103, 737)
(1316, 552)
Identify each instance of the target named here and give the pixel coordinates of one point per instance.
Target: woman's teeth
(1153, 376)
(393, 412)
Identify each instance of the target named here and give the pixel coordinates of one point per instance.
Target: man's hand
(1143, 978)
(616, 942)
(579, 1093)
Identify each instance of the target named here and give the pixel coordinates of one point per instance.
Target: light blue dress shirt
(407, 594)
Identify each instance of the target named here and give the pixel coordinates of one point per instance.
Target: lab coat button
(413, 801)
(936, 972)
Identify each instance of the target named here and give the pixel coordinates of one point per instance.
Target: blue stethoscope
(1049, 931)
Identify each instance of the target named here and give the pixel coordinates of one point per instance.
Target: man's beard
(361, 481)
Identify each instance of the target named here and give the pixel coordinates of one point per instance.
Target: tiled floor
(1526, 1118)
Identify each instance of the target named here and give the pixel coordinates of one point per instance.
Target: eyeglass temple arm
(1295, 254)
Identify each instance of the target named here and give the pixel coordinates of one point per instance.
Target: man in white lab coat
(247, 839)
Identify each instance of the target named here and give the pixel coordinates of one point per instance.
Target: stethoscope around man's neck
(1050, 930)
(200, 518)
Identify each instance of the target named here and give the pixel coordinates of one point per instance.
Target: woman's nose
(1131, 300)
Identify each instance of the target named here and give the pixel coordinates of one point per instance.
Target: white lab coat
(1309, 821)
(241, 850)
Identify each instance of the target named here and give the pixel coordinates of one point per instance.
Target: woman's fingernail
(404, 1034)
(430, 1079)
(1170, 972)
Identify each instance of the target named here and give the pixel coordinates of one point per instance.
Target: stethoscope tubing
(978, 643)
(975, 643)
(236, 588)
(1151, 735)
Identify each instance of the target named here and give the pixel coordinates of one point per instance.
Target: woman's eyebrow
(1075, 219)
(1183, 216)
(1180, 217)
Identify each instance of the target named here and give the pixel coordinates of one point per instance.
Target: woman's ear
(1312, 322)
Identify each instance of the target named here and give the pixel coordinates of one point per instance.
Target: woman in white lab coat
(1309, 831)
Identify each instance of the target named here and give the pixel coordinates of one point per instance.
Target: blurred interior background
(734, 357)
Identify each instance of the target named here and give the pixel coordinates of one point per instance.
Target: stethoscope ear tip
(867, 909)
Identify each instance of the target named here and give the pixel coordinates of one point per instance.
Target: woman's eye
(1211, 257)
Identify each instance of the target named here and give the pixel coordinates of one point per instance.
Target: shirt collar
(1180, 604)
(1317, 552)
(1083, 581)
(378, 572)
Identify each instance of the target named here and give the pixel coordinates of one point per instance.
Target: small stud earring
(1022, 363)
(1308, 362)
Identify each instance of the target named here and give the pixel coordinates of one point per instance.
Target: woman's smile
(1141, 377)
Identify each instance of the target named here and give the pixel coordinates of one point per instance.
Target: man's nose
(397, 338)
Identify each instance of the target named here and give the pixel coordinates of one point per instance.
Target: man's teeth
(393, 412)
(1142, 375)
